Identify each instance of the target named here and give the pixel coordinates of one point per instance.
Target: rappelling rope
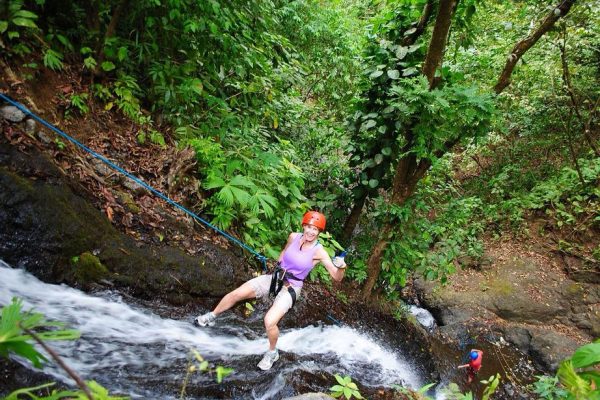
(24, 109)
(504, 363)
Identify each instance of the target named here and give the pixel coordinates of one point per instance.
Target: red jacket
(476, 363)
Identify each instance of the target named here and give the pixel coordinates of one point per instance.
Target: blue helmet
(474, 355)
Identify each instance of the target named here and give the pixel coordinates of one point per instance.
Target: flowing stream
(131, 350)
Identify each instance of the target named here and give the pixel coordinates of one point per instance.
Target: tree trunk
(571, 92)
(408, 170)
(408, 174)
(522, 46)
(110, 32)
(374, 262)
(439, 38)
(352, 219)
(355, 213)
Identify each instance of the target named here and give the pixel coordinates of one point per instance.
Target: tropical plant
(18, 329)
(197, 363)
(345, 387)
(578, 374)
(547, 388)
(16, 20)
(452, 392)
(97, 391)
(13, 338)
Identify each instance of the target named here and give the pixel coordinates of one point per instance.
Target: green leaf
(214, 182)
(53, 60)
(586, 356)
(370, 123)
(240, 180)
(241, 196)
(373, 183)
(3, 26)
(89, 62)
(376, 74)
(409, 71)
(347, 392)
(222, 372)
(107, 66)
(401, 52)
(25, 22)
(25, 14)
(393, 73)
(122, 53)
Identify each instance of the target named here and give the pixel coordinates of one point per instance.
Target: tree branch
(421, 25)
(522, 46)
(569, 87)
(60, 362)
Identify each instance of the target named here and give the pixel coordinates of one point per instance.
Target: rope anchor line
(134, 178)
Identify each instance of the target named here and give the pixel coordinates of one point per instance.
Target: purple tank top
(297, 262)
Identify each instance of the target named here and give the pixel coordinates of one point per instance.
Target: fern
(53, 60)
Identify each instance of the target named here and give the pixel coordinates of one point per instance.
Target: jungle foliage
(339, 105)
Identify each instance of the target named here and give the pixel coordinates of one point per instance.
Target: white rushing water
(122, 344)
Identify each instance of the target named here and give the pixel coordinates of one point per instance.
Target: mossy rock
(501, 287)
(129, 203)
(88, 268)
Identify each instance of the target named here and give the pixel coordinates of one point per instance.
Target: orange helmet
(314, 218)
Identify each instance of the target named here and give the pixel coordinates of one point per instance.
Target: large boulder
(526, 297)
(46, 226)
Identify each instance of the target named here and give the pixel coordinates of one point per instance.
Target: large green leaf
(25, 22)
(586, 356)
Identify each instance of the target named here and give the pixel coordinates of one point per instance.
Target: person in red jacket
(474, 364)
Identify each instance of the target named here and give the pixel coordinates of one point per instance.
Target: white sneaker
(207, 319)
(268, 359)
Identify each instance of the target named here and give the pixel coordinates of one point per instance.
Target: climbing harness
(159, 194)
(278, 280)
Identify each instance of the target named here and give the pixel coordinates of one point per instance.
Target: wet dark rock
(549, 348)
(14, 376)
(518, 336)
(45, 224)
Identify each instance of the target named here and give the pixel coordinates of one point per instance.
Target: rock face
(45, 226)
(526, 297)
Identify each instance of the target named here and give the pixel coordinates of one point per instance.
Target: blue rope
(335, 321)
(21, 107)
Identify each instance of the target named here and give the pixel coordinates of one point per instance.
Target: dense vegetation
(361, 109)
(404, 121)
